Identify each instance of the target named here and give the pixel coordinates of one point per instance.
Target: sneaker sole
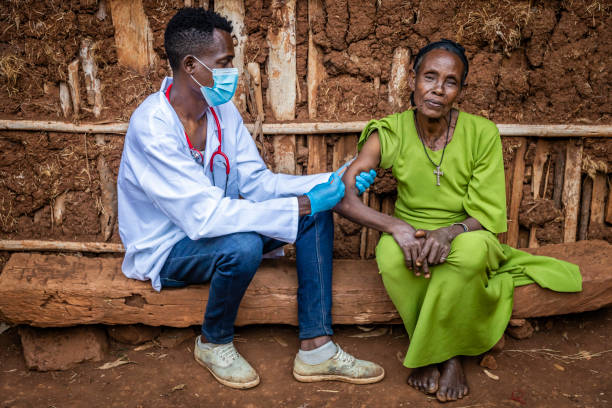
(335, 377)
(236, 385)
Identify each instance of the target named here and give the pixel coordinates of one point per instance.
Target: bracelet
(465, 227)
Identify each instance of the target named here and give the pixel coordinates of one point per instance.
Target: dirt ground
(579, 376)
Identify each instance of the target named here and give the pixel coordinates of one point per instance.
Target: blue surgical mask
(224, 86)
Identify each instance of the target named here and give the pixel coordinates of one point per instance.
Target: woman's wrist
(398, 226)
(454, 230)
(304, 205)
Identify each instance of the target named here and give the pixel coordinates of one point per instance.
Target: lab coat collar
(212, 139)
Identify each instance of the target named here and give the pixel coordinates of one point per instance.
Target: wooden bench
(61, 290)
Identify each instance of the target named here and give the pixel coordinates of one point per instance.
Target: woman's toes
(441, 394)
(432, 386)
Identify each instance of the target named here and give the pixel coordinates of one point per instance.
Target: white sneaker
(227, 365)
(341, 367)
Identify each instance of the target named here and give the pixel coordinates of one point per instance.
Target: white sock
(318, 355)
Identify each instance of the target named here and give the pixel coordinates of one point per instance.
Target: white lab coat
(164, 195)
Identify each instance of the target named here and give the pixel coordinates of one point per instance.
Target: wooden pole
(64, 95)
(282, 80)
(517, 194)
(74, 86)
(541, 155)
(372, 234)
(317, 146)
(92, 82)
(585, 208)
(39, 245)
(558, 180)
(133, 35)
(255, 83)
(365, 198)
(598, 199)
(571, 189)
(608, 217)
(234, 11)
(108, 194)
(398, 84)
(304, 128)
(316, 70)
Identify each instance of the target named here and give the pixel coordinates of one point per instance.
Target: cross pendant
(438, 173)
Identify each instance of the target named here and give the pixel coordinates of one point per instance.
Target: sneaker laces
(345, 357)
(228, 352)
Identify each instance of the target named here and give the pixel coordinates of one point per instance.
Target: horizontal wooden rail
(61, 246)
(309, 128)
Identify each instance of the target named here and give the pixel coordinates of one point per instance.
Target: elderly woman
(441, 263)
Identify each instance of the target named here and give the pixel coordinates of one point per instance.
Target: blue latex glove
(325, 196)
(364, 180)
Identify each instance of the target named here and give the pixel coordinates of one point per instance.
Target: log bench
(65, 290)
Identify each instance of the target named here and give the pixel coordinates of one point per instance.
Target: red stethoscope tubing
(218, 151)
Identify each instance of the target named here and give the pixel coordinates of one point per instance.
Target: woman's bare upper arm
(368, 158)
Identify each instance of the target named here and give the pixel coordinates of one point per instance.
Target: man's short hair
(190, 31)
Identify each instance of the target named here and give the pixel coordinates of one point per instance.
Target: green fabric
(464, 308)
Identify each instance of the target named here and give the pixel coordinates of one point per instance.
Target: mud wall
(531, 62)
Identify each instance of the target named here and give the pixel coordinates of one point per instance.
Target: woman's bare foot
(425, 379)
(452, 383)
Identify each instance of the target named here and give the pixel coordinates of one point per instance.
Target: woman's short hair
(190, 31)
(443, 44)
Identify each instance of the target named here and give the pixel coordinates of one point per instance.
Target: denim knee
(246, 253)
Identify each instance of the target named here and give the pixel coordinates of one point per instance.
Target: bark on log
(75, 88)
(398, 84)
(92, 83)
(52, 291)
(133, 35)
(571, 189)
(310, 128)
(233, 10)
(517, 194)
(316, 70)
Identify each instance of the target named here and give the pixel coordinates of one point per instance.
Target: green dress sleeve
(486, 192)
(389, 139)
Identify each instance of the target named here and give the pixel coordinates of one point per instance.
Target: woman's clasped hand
(423, 248)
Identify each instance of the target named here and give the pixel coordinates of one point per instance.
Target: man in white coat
(197, 204)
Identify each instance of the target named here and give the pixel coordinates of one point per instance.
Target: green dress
(464, 308)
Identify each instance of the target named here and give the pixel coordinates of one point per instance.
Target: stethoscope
(199, 157)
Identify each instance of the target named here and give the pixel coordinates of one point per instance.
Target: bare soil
(162, 377)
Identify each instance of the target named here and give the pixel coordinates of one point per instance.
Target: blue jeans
(229, 263)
